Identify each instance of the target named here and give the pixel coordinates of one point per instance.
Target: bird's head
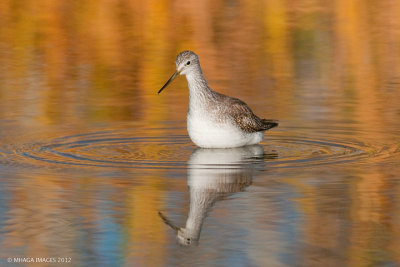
(186, 62)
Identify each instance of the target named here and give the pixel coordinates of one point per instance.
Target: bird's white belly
(209, 134)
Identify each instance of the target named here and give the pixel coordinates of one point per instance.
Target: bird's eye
(188, 63)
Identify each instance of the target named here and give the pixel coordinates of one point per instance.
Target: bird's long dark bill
(170, 80)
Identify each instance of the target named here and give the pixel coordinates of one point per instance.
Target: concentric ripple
(110, 149)
(122, 149)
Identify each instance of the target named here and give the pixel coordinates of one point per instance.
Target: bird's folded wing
(247, 120)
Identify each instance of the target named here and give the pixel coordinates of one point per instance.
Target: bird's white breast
(208, 124)
(207, 132)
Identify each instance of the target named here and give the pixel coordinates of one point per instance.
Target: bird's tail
(268, 124)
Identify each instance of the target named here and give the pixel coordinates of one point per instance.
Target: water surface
(97, 168)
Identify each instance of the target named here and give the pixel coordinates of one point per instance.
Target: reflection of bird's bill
(182, 237)
(169, 81)
(168, 222)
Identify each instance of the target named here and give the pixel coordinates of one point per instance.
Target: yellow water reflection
(76, 67)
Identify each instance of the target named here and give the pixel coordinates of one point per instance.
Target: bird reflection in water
(214, 174)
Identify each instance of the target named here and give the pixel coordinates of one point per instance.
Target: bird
(215, 120)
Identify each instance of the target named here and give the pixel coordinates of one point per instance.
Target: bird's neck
(199, 92)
